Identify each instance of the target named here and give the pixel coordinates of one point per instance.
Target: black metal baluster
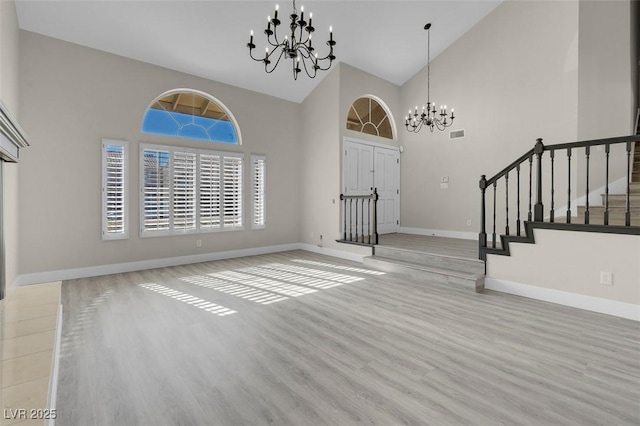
(506, 179)
(518, 219)
(362, 224)
(530, 216)
(606, 188)
(538, 214)
(344, 217)
(350, 220)
(495, 185)
(569, 186)
(375, 216)
(627, 214)
(552, 213)
(587, 150)
(482, 240)
(357, 240)
(369, 216)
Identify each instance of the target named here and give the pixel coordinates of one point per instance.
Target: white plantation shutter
(189, 190)
(209, 191)
(258, 188)
(232, 190)
(156, 190)
(114, 190)
(184, 191)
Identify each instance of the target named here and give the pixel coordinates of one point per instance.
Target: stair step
(614, 211)
(634, 188)
(427, 273)
(441, 261)
(620, 200)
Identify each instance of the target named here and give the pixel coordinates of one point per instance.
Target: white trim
(341, 254)
(580, 301)
(116, 268)
(366, 142)
(254, 158)
(440, 233)
(55, 364)
(94, 271)
(125, 146)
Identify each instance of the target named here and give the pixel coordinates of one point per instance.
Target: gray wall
(512, 78)
(71, 97)
(9, 96)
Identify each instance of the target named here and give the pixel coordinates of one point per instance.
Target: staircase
(617, 206)
(432, 260)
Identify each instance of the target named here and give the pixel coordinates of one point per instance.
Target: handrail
(357, 215)
(536, 211)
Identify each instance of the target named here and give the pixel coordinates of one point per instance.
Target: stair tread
(427, 268)
(445, 256)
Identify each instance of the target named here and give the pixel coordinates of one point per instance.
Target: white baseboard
(94, 271)
(589, 303)
(440, 233)
(341, 254)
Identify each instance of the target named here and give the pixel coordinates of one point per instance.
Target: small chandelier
(297, 46)
(429, 116)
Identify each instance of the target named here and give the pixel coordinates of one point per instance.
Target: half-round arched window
(191, 114)
(368, 114)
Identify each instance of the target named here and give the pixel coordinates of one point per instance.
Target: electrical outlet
(606, 278)
(444, 185)
(468, 222)
(198, 243)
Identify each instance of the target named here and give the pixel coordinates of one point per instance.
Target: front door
(367, 166)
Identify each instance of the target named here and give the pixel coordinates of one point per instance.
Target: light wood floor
(467, 249)
(218, 344)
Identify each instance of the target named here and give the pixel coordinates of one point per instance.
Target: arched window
(190, 114)
(369, 115)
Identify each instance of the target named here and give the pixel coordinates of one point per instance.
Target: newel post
(483, 230)
(375, 216)
(538, 209)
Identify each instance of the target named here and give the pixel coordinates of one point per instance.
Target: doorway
(367, 165)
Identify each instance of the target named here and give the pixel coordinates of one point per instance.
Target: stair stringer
(529, 237)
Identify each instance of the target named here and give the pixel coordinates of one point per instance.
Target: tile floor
(27, 329)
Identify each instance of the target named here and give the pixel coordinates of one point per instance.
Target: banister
(536, 212)
(510, 167)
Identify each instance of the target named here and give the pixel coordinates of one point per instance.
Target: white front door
(367, 166)
(387, 181)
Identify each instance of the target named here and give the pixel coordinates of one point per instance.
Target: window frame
(254, 159)
(106, 235)
(198, 229)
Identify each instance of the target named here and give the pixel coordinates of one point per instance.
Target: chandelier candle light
(429, 116)
(297, 46)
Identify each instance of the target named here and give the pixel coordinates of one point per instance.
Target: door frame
(374, 145)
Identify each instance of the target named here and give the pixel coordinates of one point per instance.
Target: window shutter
(209, 191)
(184, 191)
(258, 185)
(114, 190)
(156, 190)
(232, 186)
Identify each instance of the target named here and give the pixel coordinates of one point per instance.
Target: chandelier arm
(276, 64)
(315, 71)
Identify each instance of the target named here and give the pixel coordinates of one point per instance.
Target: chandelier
(430, 116)
(296, 46)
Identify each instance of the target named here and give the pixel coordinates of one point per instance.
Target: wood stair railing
(619, 213)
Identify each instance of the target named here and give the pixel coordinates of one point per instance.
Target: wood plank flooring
(446, 246)
(302, 339)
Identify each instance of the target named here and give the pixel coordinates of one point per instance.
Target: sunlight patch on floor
(315, 273)
(242, 291)
(189, 299)
(341, 267)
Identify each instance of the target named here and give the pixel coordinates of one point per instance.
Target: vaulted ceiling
(208, 38)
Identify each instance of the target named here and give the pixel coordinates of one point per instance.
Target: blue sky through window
(171, 123)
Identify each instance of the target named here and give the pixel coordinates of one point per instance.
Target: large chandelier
(297, 46)
(429, 116)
